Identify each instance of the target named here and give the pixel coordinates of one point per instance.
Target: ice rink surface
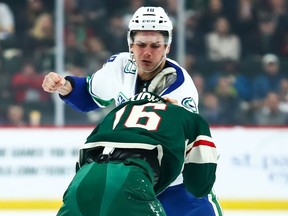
(226, 213)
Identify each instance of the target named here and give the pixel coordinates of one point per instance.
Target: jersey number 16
(152, 119)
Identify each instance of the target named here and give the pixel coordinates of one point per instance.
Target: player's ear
(167, 49)
(131, 48)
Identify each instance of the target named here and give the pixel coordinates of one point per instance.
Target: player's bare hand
(53, 82)
(170, 100)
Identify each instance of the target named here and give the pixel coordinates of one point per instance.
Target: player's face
(149, 50)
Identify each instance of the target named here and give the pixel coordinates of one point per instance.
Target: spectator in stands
(96, 54)
(229, 102)
(73, 17)
(26, 86)
(265, 39)
(74, 53)
(279, 9)
(8, 41)
(210, 108)
(115, 7)
(241, 87)
(15, 116)
(115, 39)
(222, 43)
(81, 16)
(190, 63)
(230, 10)
(194, 37)
(270, 113)
(9, 51)
(27, 16)
(75, 22)
(34, 118)
(230, 69)
(172, 6)
(200, 84)
(27, 91)
(221, 105)
(268, 81)
(208, 17)
(39, 41)
(245, 18)
(7, 26)
(94, 14)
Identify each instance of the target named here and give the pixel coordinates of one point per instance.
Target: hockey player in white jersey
(145, 67)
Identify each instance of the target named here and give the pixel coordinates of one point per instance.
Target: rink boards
(37, 165)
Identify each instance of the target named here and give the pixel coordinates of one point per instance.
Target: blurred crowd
(236, 53)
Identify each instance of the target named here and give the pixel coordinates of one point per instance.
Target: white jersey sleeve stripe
(201, 155)
(202, 150)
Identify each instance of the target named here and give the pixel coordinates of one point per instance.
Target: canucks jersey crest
(121, 98)
(189, 104)
(130, 67)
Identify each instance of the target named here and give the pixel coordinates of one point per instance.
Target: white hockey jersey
(117, 81)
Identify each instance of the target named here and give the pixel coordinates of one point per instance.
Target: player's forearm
(79, 98)
(199, 178)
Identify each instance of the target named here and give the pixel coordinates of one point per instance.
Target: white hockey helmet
(150, 19)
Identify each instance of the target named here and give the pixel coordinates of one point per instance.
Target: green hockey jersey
(182, 139)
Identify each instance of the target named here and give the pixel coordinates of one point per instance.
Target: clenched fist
(53, 82)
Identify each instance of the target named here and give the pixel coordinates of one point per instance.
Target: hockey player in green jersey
(135, 153)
